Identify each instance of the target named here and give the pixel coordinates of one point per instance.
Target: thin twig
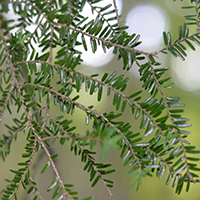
(172, 45)
(116, 11)
(198, 19)
(102, 16)
(39, 194)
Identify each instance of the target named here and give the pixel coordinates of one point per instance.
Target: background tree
(34, 84)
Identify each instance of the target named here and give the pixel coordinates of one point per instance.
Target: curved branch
(88, 156)
(88, 111)
(171, 119)
(108, 86)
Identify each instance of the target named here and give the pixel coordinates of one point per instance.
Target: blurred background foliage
(158, 16)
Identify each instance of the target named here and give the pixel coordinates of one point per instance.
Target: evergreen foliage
(27, 85)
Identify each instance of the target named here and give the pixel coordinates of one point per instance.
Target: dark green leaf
(84, 42)
(165, 38)
(95, 181)
(45, 167)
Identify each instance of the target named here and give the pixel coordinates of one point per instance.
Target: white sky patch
(11, 15)
(149, 21)
(99, 58)
(186, 74)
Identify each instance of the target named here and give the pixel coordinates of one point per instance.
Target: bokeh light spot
(187, 74)
(148, 20)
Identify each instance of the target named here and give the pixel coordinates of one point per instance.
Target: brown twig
(116, 11)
